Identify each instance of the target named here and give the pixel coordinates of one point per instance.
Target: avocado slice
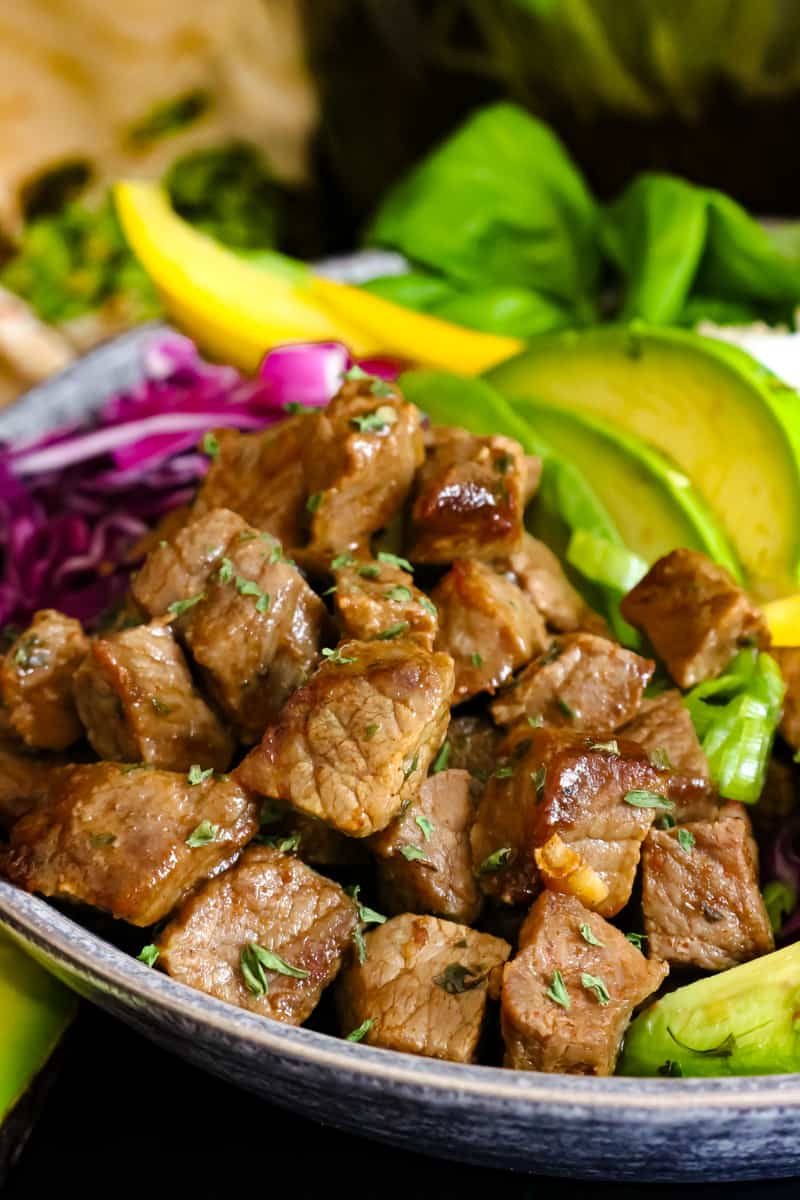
(722, 418)
(740, 1022)
(652, 503)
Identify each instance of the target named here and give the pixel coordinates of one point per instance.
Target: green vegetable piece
(313, 502)
(255, 961)
(496, 860)
(393, 631)
(557, 992)
(588, 936)
(565, 708)
(336, 656)
(198, 775)
(780, 901)
(371, 730)
(202, 835)
(210, 445)
(593, 983)
(400, 594)
(425, 825)
(148, 955)
(413, 853)
(686, 839)
(636, 939)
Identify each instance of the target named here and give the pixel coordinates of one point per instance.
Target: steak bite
(700, 893)
(261, 477)
(470, 496)
(569, 993)
(600, 798)
(424, 858)
(788, 658)
(487, 624)
(36, 681)
(129, 840)
(537, 570)
(665, 730)
(359, 458)
(695, 616)
(137, 700)
(24, 782)
(249, 619)
(268, 935)
(375, 597)
(581, 682)
(423, 988)
(472, 745)
(354, 743)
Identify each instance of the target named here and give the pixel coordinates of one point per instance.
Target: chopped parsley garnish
(366, 915)
(313, 502)
(538, 778)
(137, 766)
(660, 760)
(476, 659)
(202, 835)
(342, 560)
(255, 961)
(148, 955)
(375, 422)
(225, 572)
(496, 860)
(400, 594)
(394, 560)
(356, 372)
(381, 388)
(413, 853)
(249, 587)
(31, 653)
(456, 978)
(536, 722)
(425, 825)
(371, 730)
(642, 798)
(210, 445)
(358, 1035)
(330, 591)
(393, 631)
(198, 775)
(612, 746)
(248, 535)
(666, 822)
(370, 571)
(336, 656)
(284, 845)
(179, 607)
(504, 772)
(565, 708)
(686, 839)
(636, 939)
(428, 605)
(442, 759)
(102, 839)
(588, 936)
(724, 1049)
(557, 992)
(593, 983)
(159, 706)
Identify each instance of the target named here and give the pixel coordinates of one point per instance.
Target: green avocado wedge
(652, 503)
(722, 418)
(739, 1022)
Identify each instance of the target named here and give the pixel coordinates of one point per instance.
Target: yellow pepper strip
(783, 620)
(237, 310)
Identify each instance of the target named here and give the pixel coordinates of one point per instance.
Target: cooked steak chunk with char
(569, 993)
(268, 902)
(360, 457)
(261, 477)
(487, 624)
(539, 573)
(472, 745)
(424, 858)
(423, 988)
(355, 742)
(129, 840)
(789, 662)
(36, 681)
(246, 614)
(24, 781)
(695, 616)
(137, 700)
(373, 599)
(581, 682)
(600, 797)
(470, 497)
(700, 893)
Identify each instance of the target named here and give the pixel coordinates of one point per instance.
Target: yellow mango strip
(783, 620)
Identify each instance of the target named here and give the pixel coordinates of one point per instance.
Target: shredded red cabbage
(72, 504)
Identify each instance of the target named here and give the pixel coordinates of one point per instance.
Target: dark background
(125, 1118)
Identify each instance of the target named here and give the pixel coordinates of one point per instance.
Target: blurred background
(281, 123)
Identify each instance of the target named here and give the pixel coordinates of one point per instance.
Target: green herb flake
(202, 835)
(611, 747)
(360, 944)
(158, 706)
(293, 407)
(428, 605)
(457, 978)
(636, 939)
(248, 535)
(476, 659)
(565, 708)
(538, 779)
(642, 798)
(425, 825)
(336, 657)
(366, 915)
(660, 760)
(780, 900)
(593, 983)
(369, 571)
(550, 655)
(379, 387)
(255, 961)
(31, 653)
(400, 594)
(342, 560)
(557, 992)
(210, 445)
(179, 607)
(686, 839)
(536, 722)
(496, 860)
(666, 822)
(413, 853)
(98, 840)
(356, 372)
(225, 572)
(149, 955)
(169, 116)
(588, 936)
(137, 766)
(371, 730)
(313, 502)
(358, 1035)
(394, 560)
(198, 775)
(505, 771)
(379, 420)
(393, 631)
(442, 759)
(263, 603)
(411, 768)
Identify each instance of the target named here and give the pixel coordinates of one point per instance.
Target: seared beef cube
(569, 993)
(261, 477)
(470, 496)
(539, 573)
(424, 859)
(600, 798)
(360, 457)
(354, 744)
(136, 698)
(789, 662)
(267, 902)
(581, 682)
(423, 988)
(24, 782)
(487, 624)
(374, 599)
(36, 681)
(663, 726)
(472, 745)
(700, 893)
(247, 616)
(129, 840)
(695, 616)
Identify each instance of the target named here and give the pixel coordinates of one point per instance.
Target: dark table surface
(123, 1114)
